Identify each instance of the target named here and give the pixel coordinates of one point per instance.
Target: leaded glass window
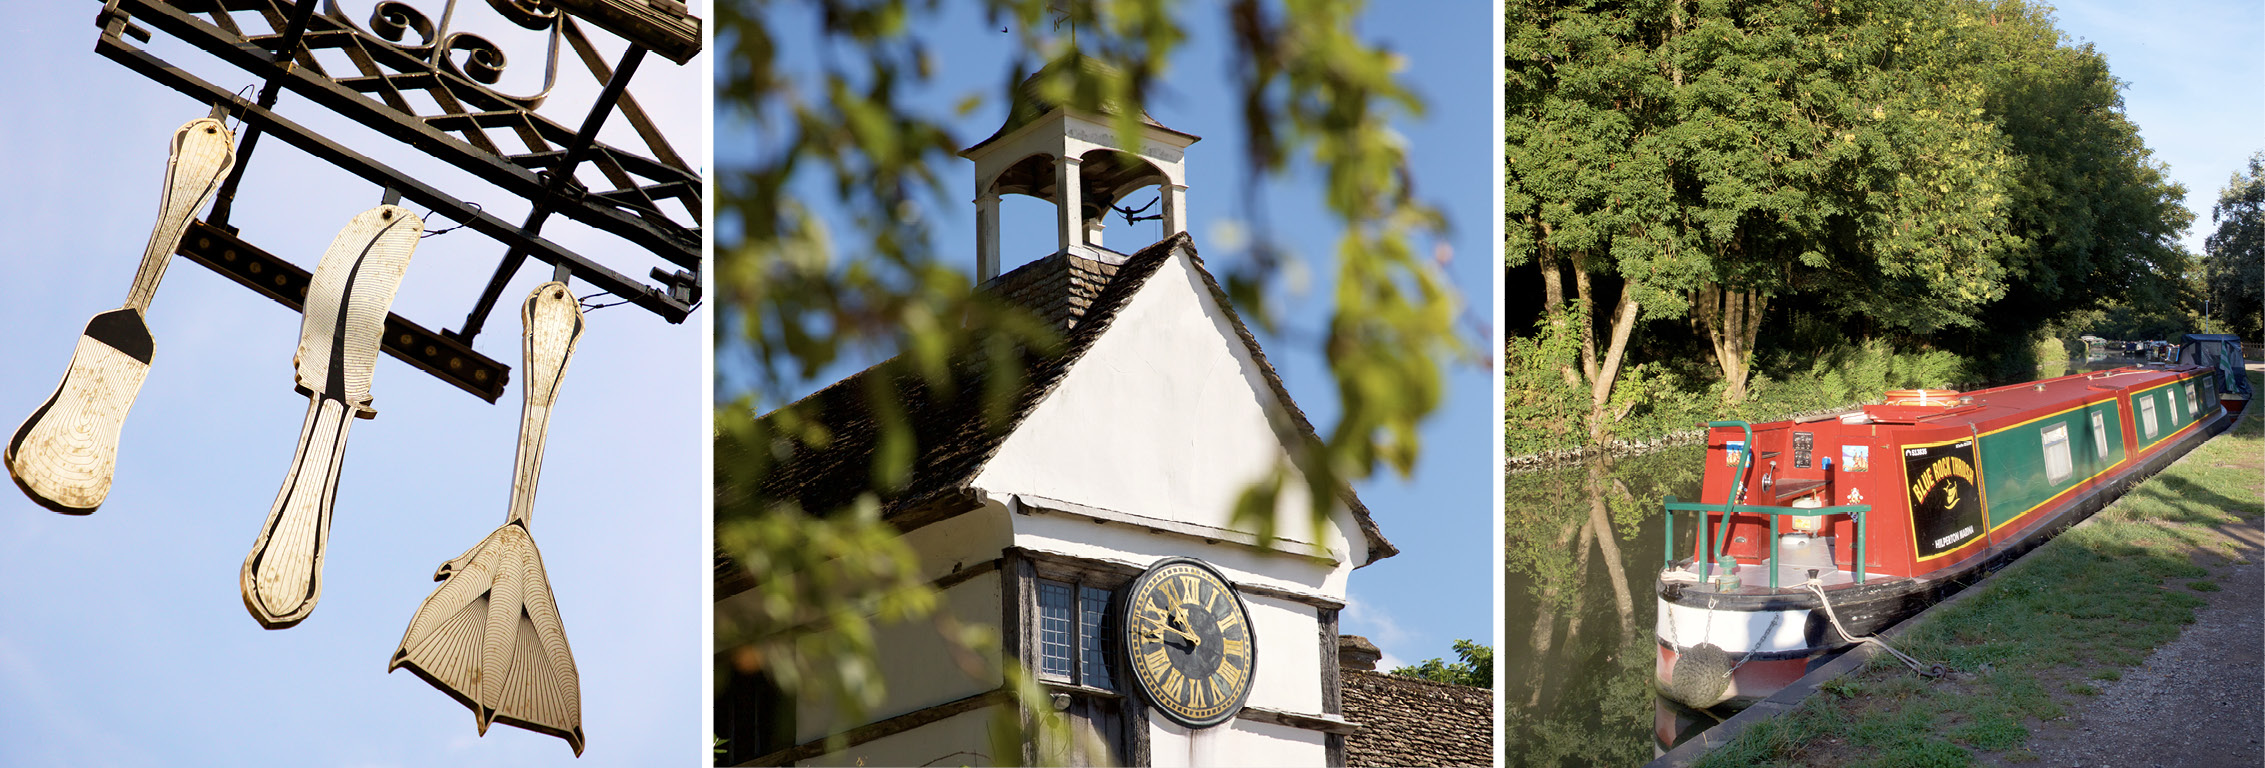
(1055, 630)
(1071, 647)
(1093, 604)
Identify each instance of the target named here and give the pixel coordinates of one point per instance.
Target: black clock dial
(1187, 637)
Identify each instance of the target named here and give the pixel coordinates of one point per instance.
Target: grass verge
(2094, 601)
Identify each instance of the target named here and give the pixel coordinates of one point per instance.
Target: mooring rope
(1935, 670)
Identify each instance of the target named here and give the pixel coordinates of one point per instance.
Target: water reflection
(1582, 545)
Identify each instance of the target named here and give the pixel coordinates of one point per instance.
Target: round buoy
(1701, 677)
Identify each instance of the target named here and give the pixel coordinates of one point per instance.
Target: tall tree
(2093, 219)
(2234, 268)
(1582, 87)
(1681, 159)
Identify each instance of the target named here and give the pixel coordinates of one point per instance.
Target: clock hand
(1181, 632)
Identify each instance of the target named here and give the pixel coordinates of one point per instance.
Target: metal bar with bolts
(286, 283)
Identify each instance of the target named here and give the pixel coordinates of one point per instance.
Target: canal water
(1582, 545)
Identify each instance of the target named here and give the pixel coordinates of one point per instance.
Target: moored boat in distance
(1872, 515)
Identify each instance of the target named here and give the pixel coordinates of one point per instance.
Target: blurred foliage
(2234, 267)
(796, 296)
(1474, 667)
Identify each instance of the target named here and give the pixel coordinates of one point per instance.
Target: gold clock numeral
(1229, 673)
(1230, 621)
(1187, 589)
(1157, 660)
(1210, 596)
(1234, 648)
(1175, 684)
(1196, 697)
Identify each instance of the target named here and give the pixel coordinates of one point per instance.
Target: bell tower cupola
(1078, 161)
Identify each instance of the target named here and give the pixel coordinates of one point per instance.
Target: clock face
(1187, 637)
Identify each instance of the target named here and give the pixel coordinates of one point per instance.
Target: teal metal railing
(1715, 546)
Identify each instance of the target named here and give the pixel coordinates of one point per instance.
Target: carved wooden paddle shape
(490, 634)
(65, 454)
(347, 301)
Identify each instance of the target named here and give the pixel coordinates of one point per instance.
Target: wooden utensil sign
(347, 302)
(490, 634)
(65, 455)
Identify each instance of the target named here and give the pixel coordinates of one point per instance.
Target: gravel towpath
(2197, 701)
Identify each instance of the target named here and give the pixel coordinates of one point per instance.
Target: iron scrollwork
(403, 49)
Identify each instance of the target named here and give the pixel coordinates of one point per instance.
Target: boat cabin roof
(1987, 408)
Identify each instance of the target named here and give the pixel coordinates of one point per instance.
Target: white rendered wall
(961, 541)
(917, 664)
(1165, 416)
(1288, 639)
(1236, 742)
(968, 732)
(1137, 547)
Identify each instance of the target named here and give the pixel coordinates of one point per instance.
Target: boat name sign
(1946, 505)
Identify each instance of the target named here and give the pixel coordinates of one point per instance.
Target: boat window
(2099, 435)
(2191, 408)
(2057, 466)
(2147, 416)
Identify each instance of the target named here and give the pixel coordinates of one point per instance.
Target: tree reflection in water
(1581, 546)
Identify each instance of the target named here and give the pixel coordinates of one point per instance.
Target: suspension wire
(445, 230)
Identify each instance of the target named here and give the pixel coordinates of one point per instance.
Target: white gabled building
(1129, 446)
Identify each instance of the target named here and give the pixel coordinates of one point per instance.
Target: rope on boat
(1935, 670)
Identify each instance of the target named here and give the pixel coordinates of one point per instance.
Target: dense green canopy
(1945, 174)
(2235, 265)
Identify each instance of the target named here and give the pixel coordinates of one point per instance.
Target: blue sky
(2191, 72)
(123, 638)
(1441, 587)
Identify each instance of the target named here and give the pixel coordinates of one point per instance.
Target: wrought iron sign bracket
(671, 242)
(658, 302)
(543, 176)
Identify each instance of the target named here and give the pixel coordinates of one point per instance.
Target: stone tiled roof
(1060, 288)
(955, 430)
(1406, 721)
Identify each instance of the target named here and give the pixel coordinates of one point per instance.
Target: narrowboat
(1874, 514)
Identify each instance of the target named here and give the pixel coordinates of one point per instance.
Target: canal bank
(2074, 655)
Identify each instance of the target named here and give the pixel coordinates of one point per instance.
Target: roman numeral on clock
(1229, 674)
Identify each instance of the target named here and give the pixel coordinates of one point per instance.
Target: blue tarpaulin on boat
(2216, 350)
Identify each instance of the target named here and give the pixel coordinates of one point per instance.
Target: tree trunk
(1553, 296)
(1731, 320)
(1601, 520)
(1601, 381)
